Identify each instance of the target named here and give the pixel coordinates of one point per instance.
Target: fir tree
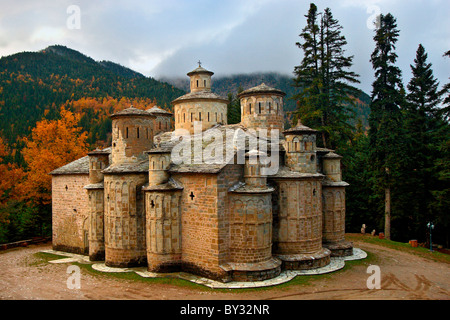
(324, 79)
(385, 117)
(422, 123)
(307, 73)
(234, 107)
(445, 111)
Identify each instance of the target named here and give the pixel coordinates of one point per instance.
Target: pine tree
(445, 111)
(307, 77)
(385, 117)
(422, 122)
(337, 80)
(326, 96)
(234, 107)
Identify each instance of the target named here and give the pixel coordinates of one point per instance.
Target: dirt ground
(403, 276)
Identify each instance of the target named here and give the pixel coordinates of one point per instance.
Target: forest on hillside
(35, 85)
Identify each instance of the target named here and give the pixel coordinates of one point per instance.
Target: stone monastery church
(133, 205)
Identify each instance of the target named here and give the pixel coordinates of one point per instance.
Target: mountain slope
(37, 84)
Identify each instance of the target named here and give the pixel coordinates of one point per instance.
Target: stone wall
(301, 153)
(229, 176)
(251, 228)
(70, 213)
(333, 214)
(298, 216)
(262, 112)
(209, 113)
(130, 138)
(163, 232)
(96, 225)
(125, 220)
(200, 224)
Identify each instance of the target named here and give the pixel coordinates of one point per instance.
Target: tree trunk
(387, 214)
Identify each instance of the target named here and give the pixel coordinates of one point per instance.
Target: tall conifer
(325, 83)
(385, 135)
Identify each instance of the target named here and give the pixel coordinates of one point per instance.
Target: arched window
(184, 117)
(296, 145)
(197, 83)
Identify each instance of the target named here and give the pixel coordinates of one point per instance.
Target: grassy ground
(405, 247)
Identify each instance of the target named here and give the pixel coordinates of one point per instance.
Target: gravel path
(403, 276)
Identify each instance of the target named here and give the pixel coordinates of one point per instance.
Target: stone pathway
(285, 276)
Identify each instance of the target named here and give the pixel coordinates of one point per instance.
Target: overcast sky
(166, 38)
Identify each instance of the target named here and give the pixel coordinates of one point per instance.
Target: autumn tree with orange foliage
(11, 177)
(53, 143)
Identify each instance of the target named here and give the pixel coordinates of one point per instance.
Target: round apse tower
(124, 223)
(262, 108)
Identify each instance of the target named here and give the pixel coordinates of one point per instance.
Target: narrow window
(208, 116)
(204, 83)
(199, 116)
(197, 83)
(184, 117)
(270, 108)
(259, 105)
(147, 133)
(160, 125)
(250, 108)
(192, 117)
(127, 133)
(216, 116)
(137, 131)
